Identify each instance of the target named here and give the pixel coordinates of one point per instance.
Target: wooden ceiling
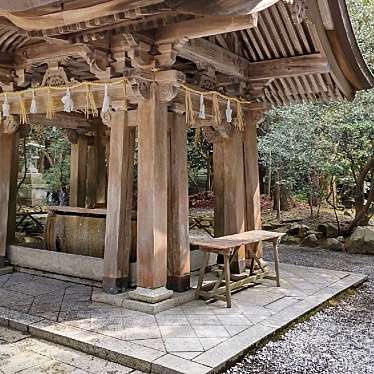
(273, 51)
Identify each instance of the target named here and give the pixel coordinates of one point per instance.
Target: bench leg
(252, 268)
(276, 260)
(201, 274)
(227, 280)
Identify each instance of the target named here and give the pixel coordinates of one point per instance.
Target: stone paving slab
(21, 354)
(196, 337)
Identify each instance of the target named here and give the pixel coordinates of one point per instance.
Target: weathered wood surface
(228, 247)
(178, 220)
(8, 189)
(77, 210)
(91, 176)
(78, 172)
(61, 120)
(120, 197)
(152, 192)
(195, 28)
(101, 171)
(220, 7)
(68, 14)
(227, 62)
(229, 211)
(251, 178)
(236, 240)
(91, 39)
(76, 234)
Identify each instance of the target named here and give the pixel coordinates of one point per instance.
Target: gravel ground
(338, 339)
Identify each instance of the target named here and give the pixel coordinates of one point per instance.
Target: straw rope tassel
(239, 124)
(190, 115)
(217, 119)
(50, 106)
(125, 97)
(22, 111)
(198, 133)
(90, 103)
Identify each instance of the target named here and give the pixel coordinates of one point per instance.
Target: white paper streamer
(68, 102)
(228, 112)
(106, 102)
(202, 108)
(33, 107)
(6, 107)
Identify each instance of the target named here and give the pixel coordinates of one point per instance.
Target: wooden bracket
(257, 88)
(206, 76)
(169, 81)
(71, 135)
(141, 57)
(54, 76)
(299, 10)
(167, 55)
(10, 124)
(255, 117)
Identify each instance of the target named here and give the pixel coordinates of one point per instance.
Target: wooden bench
(228, 246)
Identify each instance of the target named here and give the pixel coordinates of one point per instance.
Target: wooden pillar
(78, 172)
(120, 195)
(91, 181)
(102, 175)
(252, 184)
(178, 223)
(96, 170)
(152, 199)
(229, 212)
(8, 190)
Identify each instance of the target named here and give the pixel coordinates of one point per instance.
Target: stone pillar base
(114, 286)
(3, 262)
(149, 295)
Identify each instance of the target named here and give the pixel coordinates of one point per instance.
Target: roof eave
(346, 49)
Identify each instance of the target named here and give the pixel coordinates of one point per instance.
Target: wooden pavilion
(160, 62)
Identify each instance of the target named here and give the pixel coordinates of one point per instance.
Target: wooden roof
(276, 52)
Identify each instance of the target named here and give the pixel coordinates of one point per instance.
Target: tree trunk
(269, 178)
(277, 196)
(362, 208)
(284, 199)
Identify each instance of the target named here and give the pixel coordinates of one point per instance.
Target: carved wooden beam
(220, 7)
(71, 13)
(22, 5)
(202, 27)
(288, 67)
(224, 61)
(229, 63)
(62, 120)
(45, 52)
(102, 24)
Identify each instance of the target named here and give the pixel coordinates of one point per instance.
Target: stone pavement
(21, 354)
(193, 338)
